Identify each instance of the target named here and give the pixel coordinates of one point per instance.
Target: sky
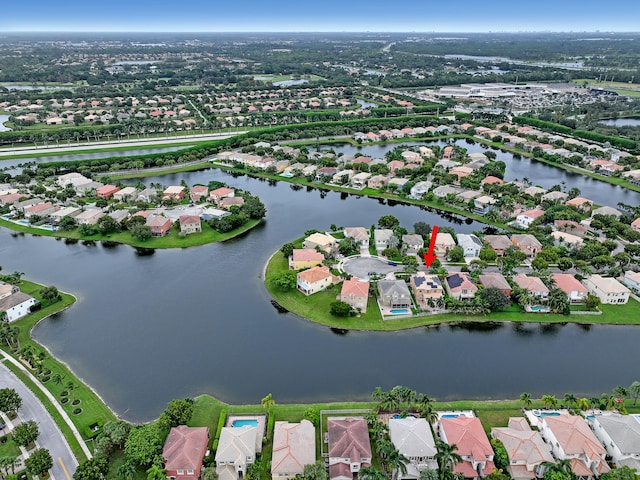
(320, 16)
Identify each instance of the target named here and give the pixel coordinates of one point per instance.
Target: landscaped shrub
(221, 422)
(77, 411)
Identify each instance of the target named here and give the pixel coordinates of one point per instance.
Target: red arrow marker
(430, 256)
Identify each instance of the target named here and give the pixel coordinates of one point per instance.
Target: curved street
(51, 438)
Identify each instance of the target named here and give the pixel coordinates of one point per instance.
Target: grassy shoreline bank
(315, 308)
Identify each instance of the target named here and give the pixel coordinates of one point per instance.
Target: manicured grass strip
(316, 308)
(172, 240)
(62, 425)
(9, 448)
(165, 171)
(94, 411)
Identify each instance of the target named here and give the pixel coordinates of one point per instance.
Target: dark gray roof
(13, 300)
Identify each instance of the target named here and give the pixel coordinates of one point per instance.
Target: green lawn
(172, 240)
(9, 447)
(93, 409)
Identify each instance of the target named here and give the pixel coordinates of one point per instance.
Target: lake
(518, 167)
(621, 122)
(150, 328)
(3, 119)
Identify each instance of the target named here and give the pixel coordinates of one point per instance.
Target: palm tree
(371, 473)
(268, 402)
(377, 394)
(526, 399)
(562, 466)
(549, 401)
(608, 401)
(57, 378)
(446, 457)
(396, 463)
(583, 404)
(570, 398)
(208, 473)
(621, 392)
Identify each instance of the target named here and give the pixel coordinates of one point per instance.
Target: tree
(178, 412)
(348, 246)
(446, 457)
(10, 401)
(456, 254)
(253, 208)
(396, 463)
(39, 463)
(68, 223)
(117, 431)
(488, 255)
(428, 475)
(495, 298)
(388, 221)
(422, 228)
(140, 232)
(144, 443)
(268, 402)
(315, 471)
(94, 469)
(371, 473)
(621, 473)
(312, 415)
(501, 458)
(340, 309)
(50, 294)
(287, 250)
(127, 470)
(539, 264)
(592, 301)
(156, 473)
(107, 225)
(549, 401)
(26, 433)
(208, 473)
(558, 301)
(634, 391)
(285, 281)
(559, 471)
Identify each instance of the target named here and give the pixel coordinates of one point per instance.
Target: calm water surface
(150, 328)
(621, 122)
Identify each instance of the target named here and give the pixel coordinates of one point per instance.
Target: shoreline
(440, 319)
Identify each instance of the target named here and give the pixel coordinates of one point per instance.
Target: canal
(150, 328)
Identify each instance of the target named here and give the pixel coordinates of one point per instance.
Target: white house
(632, 280)
(236, 451)
(607, 289)
(14, 303)
(526, 218)
(620, 435)
(413, 438)
(471, 245)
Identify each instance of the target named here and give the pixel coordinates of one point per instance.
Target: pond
(3, 120)
(148, 328)
(621, 122)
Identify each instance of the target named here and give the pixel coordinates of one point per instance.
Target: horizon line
(94, 32)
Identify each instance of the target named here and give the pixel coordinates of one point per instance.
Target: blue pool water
(546, 414)
(244, 423)
(399, 311)
(453, 415)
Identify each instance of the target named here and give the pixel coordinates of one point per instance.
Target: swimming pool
(538, 413)
(451, 415)
(244, 423)
(539, 308)
(399, 311)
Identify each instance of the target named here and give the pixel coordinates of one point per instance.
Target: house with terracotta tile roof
(635, 225)
(190, 224)
(177, 192)
(526, 243)
(236, 451)
(427, 288)
(525, 448)
(607, 289)
(473, 446)
(197, 192)
(305, 258)
(158, 224)
(460, 286)
(107, 191)
(495, 280)
(576, 292)
(41, 210)
(220, 193)
(349, 446)
(498, 243)
(533, 285)
(571, 439)
(183, 452)
(294, 447)
(355, 292)
(581, 203)
(11, 198)
(491, 180)
(412, 437)
(620, 435)
(326, 243)
(228, 202)
(315, 280)
(569, 226)
(526, 218)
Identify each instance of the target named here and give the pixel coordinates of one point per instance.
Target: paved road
(6, 151)
(50, 437)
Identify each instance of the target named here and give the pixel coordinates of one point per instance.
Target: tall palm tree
(377, 394)
(583, 404)
(371, 473)
(396, 463)
(446, 457)
(561, 466)
(571, 399)
(526, 399)
(550, 401)
(621, 392)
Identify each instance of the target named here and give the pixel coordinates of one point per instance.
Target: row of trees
(607, 401)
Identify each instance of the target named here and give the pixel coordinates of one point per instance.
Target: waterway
(177, 323)
(621, 122)
(539, 173)
(3, 119)
(17, 164)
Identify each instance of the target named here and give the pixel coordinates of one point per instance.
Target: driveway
(50, 436)
(361, 267)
